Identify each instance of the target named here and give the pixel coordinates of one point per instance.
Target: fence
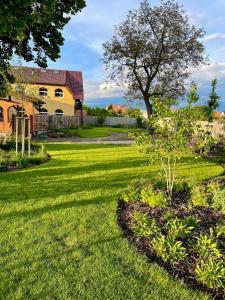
(45, 123)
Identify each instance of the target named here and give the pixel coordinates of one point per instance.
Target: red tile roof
(72, 79)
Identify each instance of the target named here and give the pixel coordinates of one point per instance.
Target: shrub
(168, 249)
(217, 195)
(154, 198)
(178, 228)
(199, 196)
(133, 191)
(207, 246)
(220, 230)
(211, 272)
(144, 226)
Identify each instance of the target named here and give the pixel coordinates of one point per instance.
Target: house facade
(60, 91)
(10, 108)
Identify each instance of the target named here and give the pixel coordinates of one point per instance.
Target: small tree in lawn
(167, 144)
(172, 137)
(214, 100)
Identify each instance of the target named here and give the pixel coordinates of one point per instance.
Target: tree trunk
(148, 107)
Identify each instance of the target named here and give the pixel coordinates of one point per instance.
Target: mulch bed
(207, 217)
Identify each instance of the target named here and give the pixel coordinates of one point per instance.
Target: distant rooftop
(72, 79)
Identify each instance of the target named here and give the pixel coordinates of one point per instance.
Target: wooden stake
(23, 135)
(16, 135)
(29, 138)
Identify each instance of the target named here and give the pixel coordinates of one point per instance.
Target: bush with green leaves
(217, 195)
(207, 246)
(211, 272)
(220, 230)
(168, 249)
(144, 226)
(154, 198)
(178, 228)
(199, 196)
(133, 191)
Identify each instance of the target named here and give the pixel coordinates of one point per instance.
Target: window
(58, 93)
(43, 92)
(1, 114)
(12, 112)
(59, 112)
(21, 112)
(43, 111)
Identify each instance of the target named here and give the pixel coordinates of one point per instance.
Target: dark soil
(207, 217)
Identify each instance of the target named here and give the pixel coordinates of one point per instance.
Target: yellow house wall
(66, 103)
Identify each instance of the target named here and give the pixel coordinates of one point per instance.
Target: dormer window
(43, 92)
(59, 93)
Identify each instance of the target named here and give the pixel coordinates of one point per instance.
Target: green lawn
(95, 132)
(59, 237)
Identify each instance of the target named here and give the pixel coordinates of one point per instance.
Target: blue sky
(87, 31)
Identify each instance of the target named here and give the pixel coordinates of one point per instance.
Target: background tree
(152, 52)
(32, 29)
(214, 100)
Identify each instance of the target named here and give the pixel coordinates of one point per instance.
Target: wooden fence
(46, 123)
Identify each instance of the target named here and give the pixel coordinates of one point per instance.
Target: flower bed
(185, 234)
(9, 161)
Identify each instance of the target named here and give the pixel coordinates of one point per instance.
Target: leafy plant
(154, 198)
(133, 191)
(144, 226)
(199, 196)
(220, 230)
(178, 228)
(207, 246)
(217, 193)
(169, 249)
(211, 272)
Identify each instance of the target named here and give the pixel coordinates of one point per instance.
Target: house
(61, 91)
(8, 110)
(219, 115)
(117, 108)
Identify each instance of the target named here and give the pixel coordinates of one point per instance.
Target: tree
(213, 102)
(32, 29)
(153, 51)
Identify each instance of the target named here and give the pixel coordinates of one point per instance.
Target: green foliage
(168, 249)
(213, 102)
(133, 191)
(207, 246)
(154, 198)
(199, 196)
(179, 228)
(193, 96)
(217, 193)
(211, 272)
(144, 226)
(9, 160)
(32, 30)
(220, 230)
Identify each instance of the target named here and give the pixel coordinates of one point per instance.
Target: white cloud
(214, 36)
(99, 89)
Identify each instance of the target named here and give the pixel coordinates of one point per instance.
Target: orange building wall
(5, 126)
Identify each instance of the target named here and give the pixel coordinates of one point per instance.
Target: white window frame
(43, 92)
(59, 112)
(59, 93)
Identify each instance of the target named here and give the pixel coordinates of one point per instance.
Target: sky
(89, 29)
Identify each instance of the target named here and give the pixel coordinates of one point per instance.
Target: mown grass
(95, 132)
(59, 237)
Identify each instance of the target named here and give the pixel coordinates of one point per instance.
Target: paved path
(114, 139)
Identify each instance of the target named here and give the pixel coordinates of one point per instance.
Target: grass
(95, 132)
(59, 234)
